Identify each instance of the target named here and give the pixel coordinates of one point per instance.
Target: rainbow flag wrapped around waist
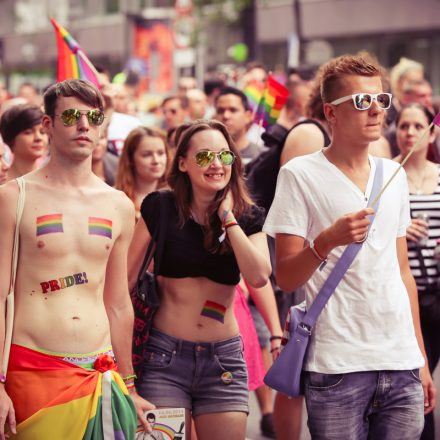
(55, 399)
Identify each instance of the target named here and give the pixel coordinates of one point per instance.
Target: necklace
(194, 218)
(418, 186)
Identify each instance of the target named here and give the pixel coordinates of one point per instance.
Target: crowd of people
(251, 221)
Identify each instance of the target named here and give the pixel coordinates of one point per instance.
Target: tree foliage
(222, 10)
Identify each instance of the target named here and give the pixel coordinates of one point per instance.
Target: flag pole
(261, 103)
(411, 151)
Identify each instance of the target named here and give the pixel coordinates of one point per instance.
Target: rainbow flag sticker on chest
(49, 224)
(100, 226)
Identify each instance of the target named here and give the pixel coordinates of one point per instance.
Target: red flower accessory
(104, 363)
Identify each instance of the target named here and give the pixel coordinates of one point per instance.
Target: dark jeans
(373, 405)
(432, 346)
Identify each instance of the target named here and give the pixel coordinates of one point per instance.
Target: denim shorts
(204, 377)
(374, 405)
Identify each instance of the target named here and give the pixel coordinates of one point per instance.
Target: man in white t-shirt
(366, 375)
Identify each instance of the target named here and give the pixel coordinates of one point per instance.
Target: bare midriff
(183, 305)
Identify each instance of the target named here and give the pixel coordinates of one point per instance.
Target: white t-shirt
(367, 323)
(118, 129)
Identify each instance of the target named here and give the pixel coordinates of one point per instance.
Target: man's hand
(429, 389)
(141, 406)
(348, 229)
(7, 414)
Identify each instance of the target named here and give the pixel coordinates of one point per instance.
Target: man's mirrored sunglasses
(71, 116)
(363, 101)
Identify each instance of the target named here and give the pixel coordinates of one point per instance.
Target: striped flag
(254, 91)
(272, 101)
(72, 61)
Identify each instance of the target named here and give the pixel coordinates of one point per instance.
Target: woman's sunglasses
(205, 158)
(363, 101)
(71, 116)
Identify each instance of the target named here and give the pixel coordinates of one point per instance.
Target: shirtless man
(72, 306)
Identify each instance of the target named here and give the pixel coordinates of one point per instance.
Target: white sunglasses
(363, 101)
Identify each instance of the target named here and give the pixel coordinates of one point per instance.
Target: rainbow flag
(214, 310)
(271, 103)
(100, 226)
(167, 430)
(59, 400)
(48, 224)
(72, 61)
(254, 91)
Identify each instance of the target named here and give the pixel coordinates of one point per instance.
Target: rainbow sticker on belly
(49, 224)
(100, 226)
(214, 310)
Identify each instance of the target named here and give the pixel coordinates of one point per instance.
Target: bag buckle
(306, 328)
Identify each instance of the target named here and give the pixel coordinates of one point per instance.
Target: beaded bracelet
(129, 376)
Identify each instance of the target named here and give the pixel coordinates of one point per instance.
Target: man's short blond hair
(361, 64)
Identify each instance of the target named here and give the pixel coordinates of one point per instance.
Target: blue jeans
(204, 377)
(373, 405)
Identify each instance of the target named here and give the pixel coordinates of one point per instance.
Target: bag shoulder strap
(160, 240)
(9, 324)
(155, 247)
(18, 215)
(346, 259)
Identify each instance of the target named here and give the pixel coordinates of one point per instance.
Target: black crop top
(184, 254)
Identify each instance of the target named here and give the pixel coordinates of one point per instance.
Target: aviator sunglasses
(205, 157)
(363, 101)
(71, 116)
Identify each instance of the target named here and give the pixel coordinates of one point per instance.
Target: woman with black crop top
(213, 234)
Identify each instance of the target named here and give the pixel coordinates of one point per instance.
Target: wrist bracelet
(275, 349)
(273, 338)
(229, 225)
(315, 252)
(129, 386)
(129, 376)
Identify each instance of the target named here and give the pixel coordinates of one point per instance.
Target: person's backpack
(262, 172)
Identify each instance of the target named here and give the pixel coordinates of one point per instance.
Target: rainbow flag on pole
(254, 91)
(272, 101)
(72, 61)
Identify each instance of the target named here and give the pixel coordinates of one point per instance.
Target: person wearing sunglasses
(72, 307)
(213, 233)
(22, 131)
(365, 373)
(174, 109)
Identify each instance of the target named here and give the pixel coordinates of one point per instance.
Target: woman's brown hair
(180, 183)
(125, 177)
